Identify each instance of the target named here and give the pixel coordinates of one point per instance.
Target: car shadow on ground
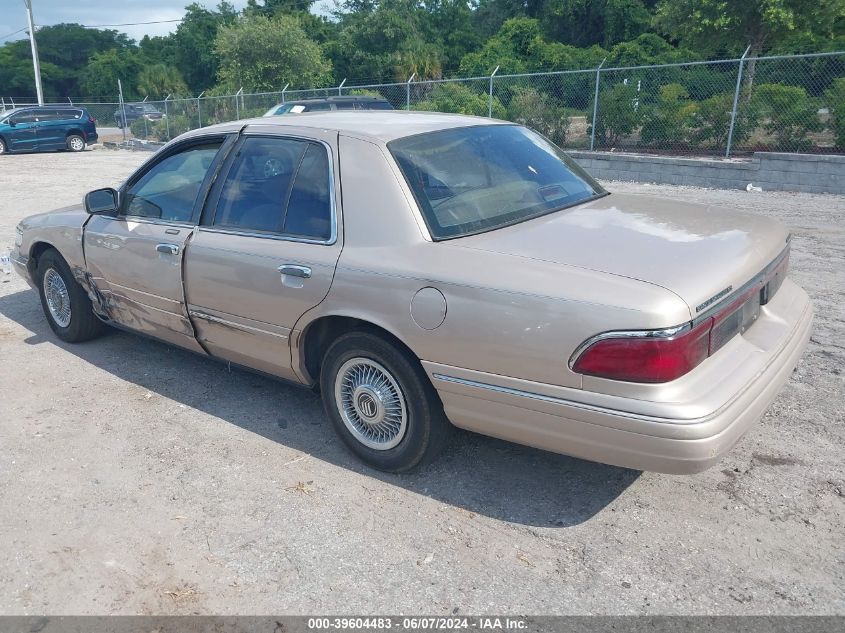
(479, 474)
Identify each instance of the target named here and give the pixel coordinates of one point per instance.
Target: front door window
(168, 191)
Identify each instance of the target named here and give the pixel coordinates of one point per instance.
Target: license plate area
(735, 321)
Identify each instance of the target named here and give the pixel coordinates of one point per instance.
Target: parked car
(46, 129)
(470, 273)
(131, 112)
(351, 102)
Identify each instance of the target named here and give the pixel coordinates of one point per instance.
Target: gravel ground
(137, 478)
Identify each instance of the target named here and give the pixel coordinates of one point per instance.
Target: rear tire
(66, 306)
(75, 143)
(381, 403)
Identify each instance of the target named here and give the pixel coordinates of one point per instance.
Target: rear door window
(309, 208)
(256, 189)
(278, 186)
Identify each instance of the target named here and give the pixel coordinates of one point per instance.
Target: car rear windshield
(474, 179)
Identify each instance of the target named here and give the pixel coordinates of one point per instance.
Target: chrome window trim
(268, 236)
(146, 220)
(333, 223)
(668, 333)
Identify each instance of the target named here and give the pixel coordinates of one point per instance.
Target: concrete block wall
(809, 173)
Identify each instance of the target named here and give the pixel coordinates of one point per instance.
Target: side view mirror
(101, 202)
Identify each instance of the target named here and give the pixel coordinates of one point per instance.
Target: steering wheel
(272, 167)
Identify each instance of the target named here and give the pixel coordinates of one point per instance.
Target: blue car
(46, 129)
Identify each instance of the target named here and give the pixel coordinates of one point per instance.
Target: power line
(13, 33)
(97, 26)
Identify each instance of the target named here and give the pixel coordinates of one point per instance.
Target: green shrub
(788, 114)
(538, 111)
(712, 120)
(142, 128)
(668, 122)
(835, 96)
(619, 114)
(177, 124)
(453, 97)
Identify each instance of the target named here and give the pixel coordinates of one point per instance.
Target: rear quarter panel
(502, 316)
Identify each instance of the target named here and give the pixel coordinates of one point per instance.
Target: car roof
(336, 98)
(382, 125)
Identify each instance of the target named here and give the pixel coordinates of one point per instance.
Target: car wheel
(66, 306)
(2, 146)
(75, 143)
(381, 403)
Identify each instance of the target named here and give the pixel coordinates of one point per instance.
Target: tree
(788, 115)
(712, 26)
(100, 76)
(263, 54)
(194, 53)
(160, 80)
(619, 114)
(458, 99)
(835, 96)
(588, 22)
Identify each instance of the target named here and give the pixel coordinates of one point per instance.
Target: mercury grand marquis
(424, 270)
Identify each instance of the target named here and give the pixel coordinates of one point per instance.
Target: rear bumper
(515, 411)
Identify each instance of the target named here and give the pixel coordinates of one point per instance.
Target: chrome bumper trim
(561, 401)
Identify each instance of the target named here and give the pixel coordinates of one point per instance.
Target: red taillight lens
(92, 119)
(655, 356)
(646, 359)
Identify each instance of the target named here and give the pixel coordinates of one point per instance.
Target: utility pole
(36, 66)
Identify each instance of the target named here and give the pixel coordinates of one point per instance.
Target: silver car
(426, 270)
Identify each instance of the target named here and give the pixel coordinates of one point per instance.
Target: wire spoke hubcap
(58, 298)
(371, 403)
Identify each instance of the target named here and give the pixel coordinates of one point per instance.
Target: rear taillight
(653, 356)
(646, 356)
(92, 119)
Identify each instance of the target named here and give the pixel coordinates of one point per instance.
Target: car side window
(277, 185)
(44, 114)
(169, 189)
(256, 189)
(24, 117)
(309, 211)
(318, 107)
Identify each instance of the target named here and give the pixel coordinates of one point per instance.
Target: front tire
(75, 143)
(381, 403)
(3, 148)
(66, 306)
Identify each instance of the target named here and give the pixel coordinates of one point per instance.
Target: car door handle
(293, 270)
(172, 249)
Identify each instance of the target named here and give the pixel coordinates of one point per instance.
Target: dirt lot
(137, 478)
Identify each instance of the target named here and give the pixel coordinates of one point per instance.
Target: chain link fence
(782, 103)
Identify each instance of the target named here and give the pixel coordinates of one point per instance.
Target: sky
(94, 12)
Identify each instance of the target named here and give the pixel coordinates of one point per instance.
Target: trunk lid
(694, 250)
